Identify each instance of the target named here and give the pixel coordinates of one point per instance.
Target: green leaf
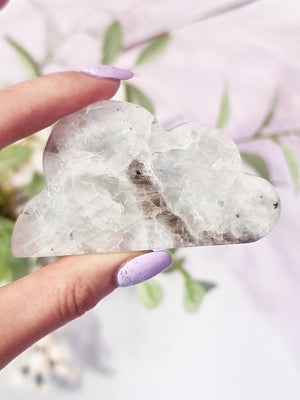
(172, 251)
(135, 95)
(194, 292)
(35, 186)
(150, 293)
(154, 49)
(20, 266)
(5, 273)
(257, 163)
(112, 43)
(177, 264)
(14, 156)
(6, 226)
(10, 268)
(269, 114)
(208, 285)
(26, 59)
(292, 162)
(224, 111)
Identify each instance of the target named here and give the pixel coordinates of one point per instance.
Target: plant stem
(272, 136)
(184, 272)
(215, 12)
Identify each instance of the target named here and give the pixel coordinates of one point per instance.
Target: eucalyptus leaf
(269, 114)
(194, 292)
(150, 293)
(6, 227)
(177, 264)
(10, 268)
(36, 184)
(292, 162)
(257, 163)
(208, 285)
(172, 251)
(224, 110)
(135, 95)
(112, 43)
(27, 60)
(19, 266)
(153, 49)
(14, 157)
(5, 274)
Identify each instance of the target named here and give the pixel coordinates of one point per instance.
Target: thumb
(43, 301)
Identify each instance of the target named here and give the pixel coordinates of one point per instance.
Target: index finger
(3, 3)
(30, 106)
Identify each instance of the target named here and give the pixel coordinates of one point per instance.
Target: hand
(3, 3)
(47, 299)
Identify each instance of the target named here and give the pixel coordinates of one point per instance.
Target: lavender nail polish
(143, 267)
(107, 71)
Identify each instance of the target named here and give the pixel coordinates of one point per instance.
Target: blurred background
(224, 322)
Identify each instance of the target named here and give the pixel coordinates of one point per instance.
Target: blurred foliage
(150, 293)
(289, 153)
(135, 95)
(29, 64)
(11, 268)
(36, 184)
(177, 262)
(112, 43)
(257, 163)
(13, 157)
(292, 162)
(194, 292)
(268, 115)
(224, 110)
(155, 48)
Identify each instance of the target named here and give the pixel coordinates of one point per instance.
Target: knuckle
(75, 297)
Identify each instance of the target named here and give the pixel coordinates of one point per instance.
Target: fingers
(3, 3)
(47, 299)
(33, 105)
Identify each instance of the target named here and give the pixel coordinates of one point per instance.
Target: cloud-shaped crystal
(116, 180)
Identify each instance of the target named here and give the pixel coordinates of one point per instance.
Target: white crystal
(116, 181)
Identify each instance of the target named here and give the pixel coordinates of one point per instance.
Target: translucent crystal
(116, 180)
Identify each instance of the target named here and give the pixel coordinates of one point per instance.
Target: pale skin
(41, 302)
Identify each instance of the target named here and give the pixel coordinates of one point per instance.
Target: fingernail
(144, 267)
(107, 71)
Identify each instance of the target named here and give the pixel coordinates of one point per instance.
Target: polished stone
(116, 181)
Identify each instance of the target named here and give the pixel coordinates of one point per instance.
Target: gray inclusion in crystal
(118, 181)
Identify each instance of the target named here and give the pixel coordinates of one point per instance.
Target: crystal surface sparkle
(116, 181)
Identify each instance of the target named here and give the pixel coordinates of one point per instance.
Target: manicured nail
(107, 71)
(143, 267)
